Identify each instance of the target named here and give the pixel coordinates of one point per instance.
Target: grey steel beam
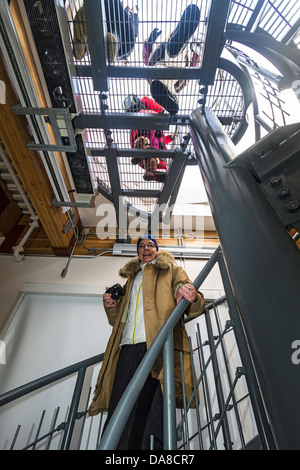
(262, 122)
(174, 194)
(168, 73)
(122, 121)
(36, 384)
(143, 153)
(288, 38)
(169, 407)
(263, 263)
(56, 203)
(173, 174)
(141, 193)
(214, 40)
(120, 207)
(246, 61)
(256, 14)
(96, 26)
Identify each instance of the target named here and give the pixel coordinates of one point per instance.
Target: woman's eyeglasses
(149, 245)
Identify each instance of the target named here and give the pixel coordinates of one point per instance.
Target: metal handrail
(23, 390)
(79, 368)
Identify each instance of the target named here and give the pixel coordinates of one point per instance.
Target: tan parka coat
(160, 284)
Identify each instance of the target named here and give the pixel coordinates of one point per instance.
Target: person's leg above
(184, 30)
(163, 96)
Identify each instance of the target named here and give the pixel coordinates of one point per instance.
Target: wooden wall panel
(15, 135)
(10, 213)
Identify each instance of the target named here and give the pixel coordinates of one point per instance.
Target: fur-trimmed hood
(164, 260)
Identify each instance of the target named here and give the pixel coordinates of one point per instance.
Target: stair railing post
(169, 400)
(68, 433)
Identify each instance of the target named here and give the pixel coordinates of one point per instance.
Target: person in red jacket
(156, 168)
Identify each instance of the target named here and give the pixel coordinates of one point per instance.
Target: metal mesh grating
(226, 96)
(279, 16)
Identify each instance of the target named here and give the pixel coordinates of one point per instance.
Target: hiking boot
(158, 55)
(157, 176)
(162, 95)
(184, 30)
(80, 39)
(111, 47)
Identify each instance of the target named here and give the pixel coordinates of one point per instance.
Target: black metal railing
(65, 427)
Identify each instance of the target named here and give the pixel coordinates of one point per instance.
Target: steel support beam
(214, 40)
(122, 121)
(130, 153)
(96, 26)
(168, 73)
(263, 263)
(120, 206)
(174, 173)
(256, 14)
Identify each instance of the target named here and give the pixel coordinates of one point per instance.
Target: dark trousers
(146, 418)
(123, 24)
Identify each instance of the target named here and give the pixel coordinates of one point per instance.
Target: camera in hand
(116, 291)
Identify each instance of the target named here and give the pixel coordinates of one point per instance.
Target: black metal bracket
(61, 122)
(275, 163)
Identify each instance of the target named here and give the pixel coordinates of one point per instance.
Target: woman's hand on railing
(187, 291)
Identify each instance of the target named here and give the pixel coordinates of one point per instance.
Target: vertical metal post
(170, 441)
(218, 382)
(263, 264)
(96, 24)
(68, 434)
(261, 420)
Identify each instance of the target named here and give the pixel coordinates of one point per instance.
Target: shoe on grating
(186, 27)
(163, 96)
(158, 176)
(80, 39)
(111, 47)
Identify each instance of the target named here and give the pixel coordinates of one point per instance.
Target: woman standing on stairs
(155, 284)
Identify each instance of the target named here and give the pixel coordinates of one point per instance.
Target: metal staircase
(254, 195)
(12, 182)
(230, 40)
(222, 420)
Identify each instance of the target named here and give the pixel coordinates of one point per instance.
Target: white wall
(94, 274)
